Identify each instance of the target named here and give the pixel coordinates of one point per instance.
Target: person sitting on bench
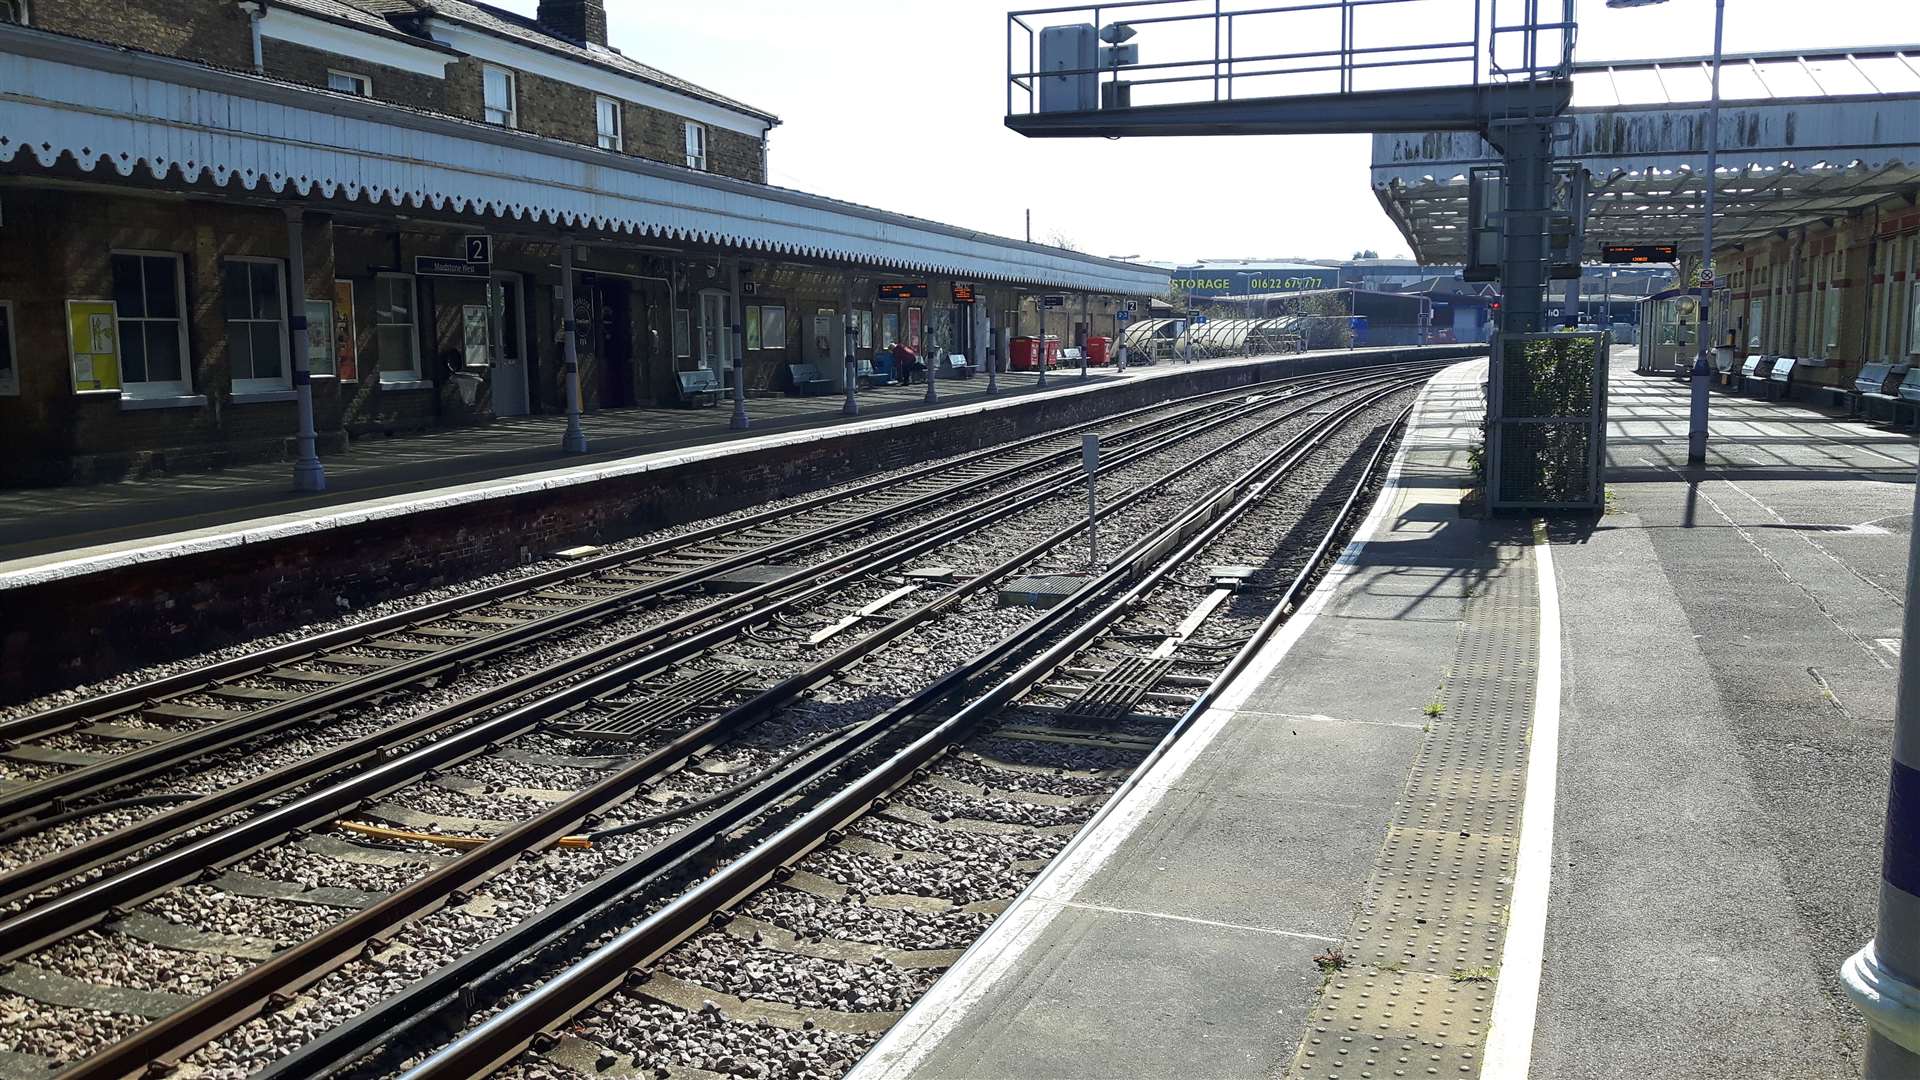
(906, 364)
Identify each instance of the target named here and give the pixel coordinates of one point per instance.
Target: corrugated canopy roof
(1782, 161)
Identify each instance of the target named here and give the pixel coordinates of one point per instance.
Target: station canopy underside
(1810, 137)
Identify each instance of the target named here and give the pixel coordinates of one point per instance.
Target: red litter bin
(1025, 353)
(1097, 350)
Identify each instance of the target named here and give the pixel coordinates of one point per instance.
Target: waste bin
(1097, 350)
(1025, 353)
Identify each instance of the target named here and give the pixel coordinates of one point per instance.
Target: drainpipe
(256, 10)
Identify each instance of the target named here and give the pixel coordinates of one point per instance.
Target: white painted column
(575, 440)
(308, 474)
(928, 359)
(735, 317)
(851, 341)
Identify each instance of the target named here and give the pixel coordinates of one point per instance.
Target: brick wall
(212, 30)
(742, 157)
(298, 63)
(114, 620)
(561, 110)
(56, 435)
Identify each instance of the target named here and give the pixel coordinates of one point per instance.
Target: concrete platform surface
(1731, 635)
(1680, 899)
(1178, 935)
(44, 526)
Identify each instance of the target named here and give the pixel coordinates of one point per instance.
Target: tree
(1062, 240)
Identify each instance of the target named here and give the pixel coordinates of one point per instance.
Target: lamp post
(1702, 370)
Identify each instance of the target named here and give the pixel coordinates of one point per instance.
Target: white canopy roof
(101, 106)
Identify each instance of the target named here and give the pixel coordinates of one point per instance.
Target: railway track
(915, 501)
(61, 755)
(577, 701)
(968, 787)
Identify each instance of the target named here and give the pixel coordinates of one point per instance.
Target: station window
(1756, 324)
(348, 83)
(606, 122)
(150, 299)
(696, 146)
(251, 299)
(13, 11)
(395, 335)
(501, 99)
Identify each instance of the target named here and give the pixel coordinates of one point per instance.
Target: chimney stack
(581, 20)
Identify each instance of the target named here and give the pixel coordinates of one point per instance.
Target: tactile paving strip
(1416, 990)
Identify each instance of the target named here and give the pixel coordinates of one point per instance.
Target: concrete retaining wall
(79, 627)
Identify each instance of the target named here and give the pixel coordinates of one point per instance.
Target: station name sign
(903, 291)
(432, 266)
(1640, 253)
(962, 292)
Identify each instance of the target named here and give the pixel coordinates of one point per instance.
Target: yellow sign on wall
(93, 345)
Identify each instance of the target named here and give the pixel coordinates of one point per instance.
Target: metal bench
(1753, 371)
(807, 380)
(1779, 378)
(957, 367)
(698, 387)
(1871, 383)
(1908, 394)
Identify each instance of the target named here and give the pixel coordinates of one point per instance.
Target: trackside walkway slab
(1317, 818)
(1730, 637)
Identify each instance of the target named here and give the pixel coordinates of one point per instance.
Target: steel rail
(56, 793)
(23, 881)
(112, 702)
(509, 1031)
(477, 975)
(274, 980)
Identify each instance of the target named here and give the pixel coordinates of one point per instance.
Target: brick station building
(158, 159)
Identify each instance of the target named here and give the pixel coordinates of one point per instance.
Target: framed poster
(9, 367)
(773, 327)
(753, 327)
(913, 329)
(320, 331)
(866, 329)
(93, 345)
(346, 343)
(682, 333)
(476, 333)
(823, 331)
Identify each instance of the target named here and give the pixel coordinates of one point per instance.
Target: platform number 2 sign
(480, 249)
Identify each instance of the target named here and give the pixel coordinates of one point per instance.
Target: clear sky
(899, 104)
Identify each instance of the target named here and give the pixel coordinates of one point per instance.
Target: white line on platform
(996, 954)
(1202, 922)
(1516, 999)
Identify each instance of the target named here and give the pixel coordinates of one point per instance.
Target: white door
(506, 301)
